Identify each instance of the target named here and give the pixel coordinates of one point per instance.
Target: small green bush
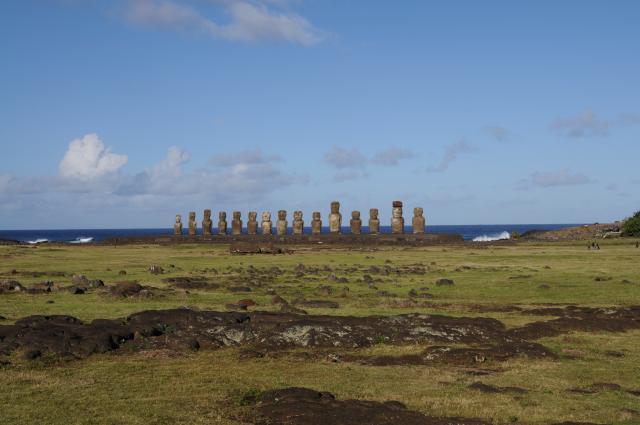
(631, 226)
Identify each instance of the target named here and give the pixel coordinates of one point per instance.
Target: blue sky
(122, 113)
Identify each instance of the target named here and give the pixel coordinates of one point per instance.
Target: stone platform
(290, 239)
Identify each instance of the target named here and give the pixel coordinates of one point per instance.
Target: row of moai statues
(335, 222)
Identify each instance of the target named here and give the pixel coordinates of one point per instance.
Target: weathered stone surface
(298, 223)
(418, 221)
(374, 222)
(267, 225)
(207, 223)
(355, 223)
(397, 222)
(177, 227)
(236, 223)
(222, 223)
(193, 225)
(316, 223)
(335, 218)
(252, 223)
(281, 225)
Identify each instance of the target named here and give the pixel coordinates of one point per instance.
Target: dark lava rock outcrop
(487, 339)
(303, 406)
(65, 335)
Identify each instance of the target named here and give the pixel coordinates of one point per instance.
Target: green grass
(161, 387)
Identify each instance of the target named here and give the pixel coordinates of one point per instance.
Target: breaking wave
(493, 237)
(42, 240)
(82, 240)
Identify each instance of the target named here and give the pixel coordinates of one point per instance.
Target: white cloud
(498, 133)
(240, 176)
(341, 158)
(88, 159)
(586, 124)
(391, 156)
(554, 179)
(451, 153)
(249, 21)
(246, 157)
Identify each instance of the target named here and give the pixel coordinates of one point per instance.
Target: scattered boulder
(11, 286)
(79, 279)
(96, 283)
(444, 282)
(130, 290)
(246, 303)
(76, 290)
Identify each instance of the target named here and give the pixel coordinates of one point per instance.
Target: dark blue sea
(469, 232)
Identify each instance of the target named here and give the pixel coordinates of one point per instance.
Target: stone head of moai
(418, 212)
(297, 215)
(253, 215)
(178, 219)
(373, 213)
(335, 207)
(282, 215)
(207, 214)
(266, 216)
(237, 215)
(222, 215)
(355, 215)
(315, 215)
(192, 216)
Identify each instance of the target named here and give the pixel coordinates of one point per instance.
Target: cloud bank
(248, 20)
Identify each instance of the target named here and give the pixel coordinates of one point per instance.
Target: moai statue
(335, 218)
(397, 222)
(236, 223)
(355, 223)
(252, 224)
(222, 223)
(192, 223)
(207, 223)
(298, 224)
(266, 223)
(281, 224)
(177, 227)
(418, 220)
(374, 222)
(316, 223)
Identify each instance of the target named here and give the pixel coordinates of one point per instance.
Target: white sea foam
(493, 237)
(38, 241)
(82, 240)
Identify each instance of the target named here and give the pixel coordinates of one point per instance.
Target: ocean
(479, 232)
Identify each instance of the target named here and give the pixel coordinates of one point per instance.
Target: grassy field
(205, 387)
